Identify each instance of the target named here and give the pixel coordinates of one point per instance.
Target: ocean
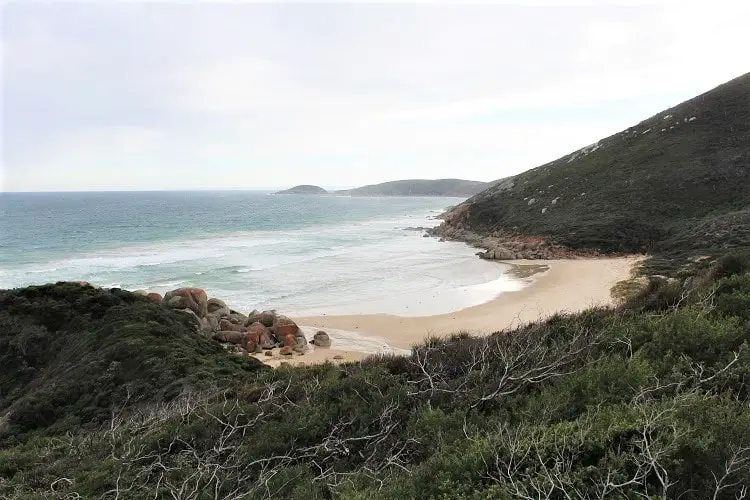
(301, 255)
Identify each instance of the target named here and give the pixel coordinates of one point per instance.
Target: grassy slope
(679, 192)
(69, 353)
(420, 187)
(576, 405)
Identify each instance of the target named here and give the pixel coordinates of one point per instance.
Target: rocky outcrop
(283, 326)
(194, 299)
(498, 253)
(217, 307)
(226, 324)
(209, 324)
(253, 333)
(259, 337)
(231, 336)
(265, 318)
(499, 245)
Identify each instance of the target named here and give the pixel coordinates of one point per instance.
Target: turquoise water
(300, 254)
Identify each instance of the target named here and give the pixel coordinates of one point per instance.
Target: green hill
(419, 187)
(71, 353)
(676, 185)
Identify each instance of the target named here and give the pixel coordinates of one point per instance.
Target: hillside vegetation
(419, 187)
(676, 185)
(69, 353)
(647, 401)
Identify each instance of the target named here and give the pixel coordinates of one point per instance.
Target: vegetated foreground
(105, 394)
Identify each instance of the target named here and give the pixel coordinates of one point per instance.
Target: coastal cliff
(675, 186)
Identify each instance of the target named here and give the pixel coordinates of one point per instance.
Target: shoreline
(567, 285)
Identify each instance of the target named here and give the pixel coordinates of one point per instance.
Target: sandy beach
(565, 286)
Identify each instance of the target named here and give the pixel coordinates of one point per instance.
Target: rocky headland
(498, 244)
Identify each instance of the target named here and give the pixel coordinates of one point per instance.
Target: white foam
(347, 340)
(43, 271)
(371, 266)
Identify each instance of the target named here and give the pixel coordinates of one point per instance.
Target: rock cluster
(253, 333)
(498, 245)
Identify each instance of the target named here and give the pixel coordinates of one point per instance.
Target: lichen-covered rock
(321, 339)
(154, 297)
(265, 318)
(260, 335)
(194, 299)
(284, 326)
(142, 293)
(289, 340)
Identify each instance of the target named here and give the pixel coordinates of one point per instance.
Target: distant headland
(409, 187)
(304, 189)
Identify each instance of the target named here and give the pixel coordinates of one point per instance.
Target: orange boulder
(284, 326)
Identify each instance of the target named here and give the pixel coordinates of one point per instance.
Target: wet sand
(555, 286)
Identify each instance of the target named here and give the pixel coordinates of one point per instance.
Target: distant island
(420, 187)
(304, 189)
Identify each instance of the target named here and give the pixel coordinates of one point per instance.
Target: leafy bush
(729, 265)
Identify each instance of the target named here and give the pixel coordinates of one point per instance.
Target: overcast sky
(177, 95)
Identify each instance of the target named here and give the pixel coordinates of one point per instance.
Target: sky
(237, 95)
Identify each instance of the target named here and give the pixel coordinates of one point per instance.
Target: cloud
(170, 95)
